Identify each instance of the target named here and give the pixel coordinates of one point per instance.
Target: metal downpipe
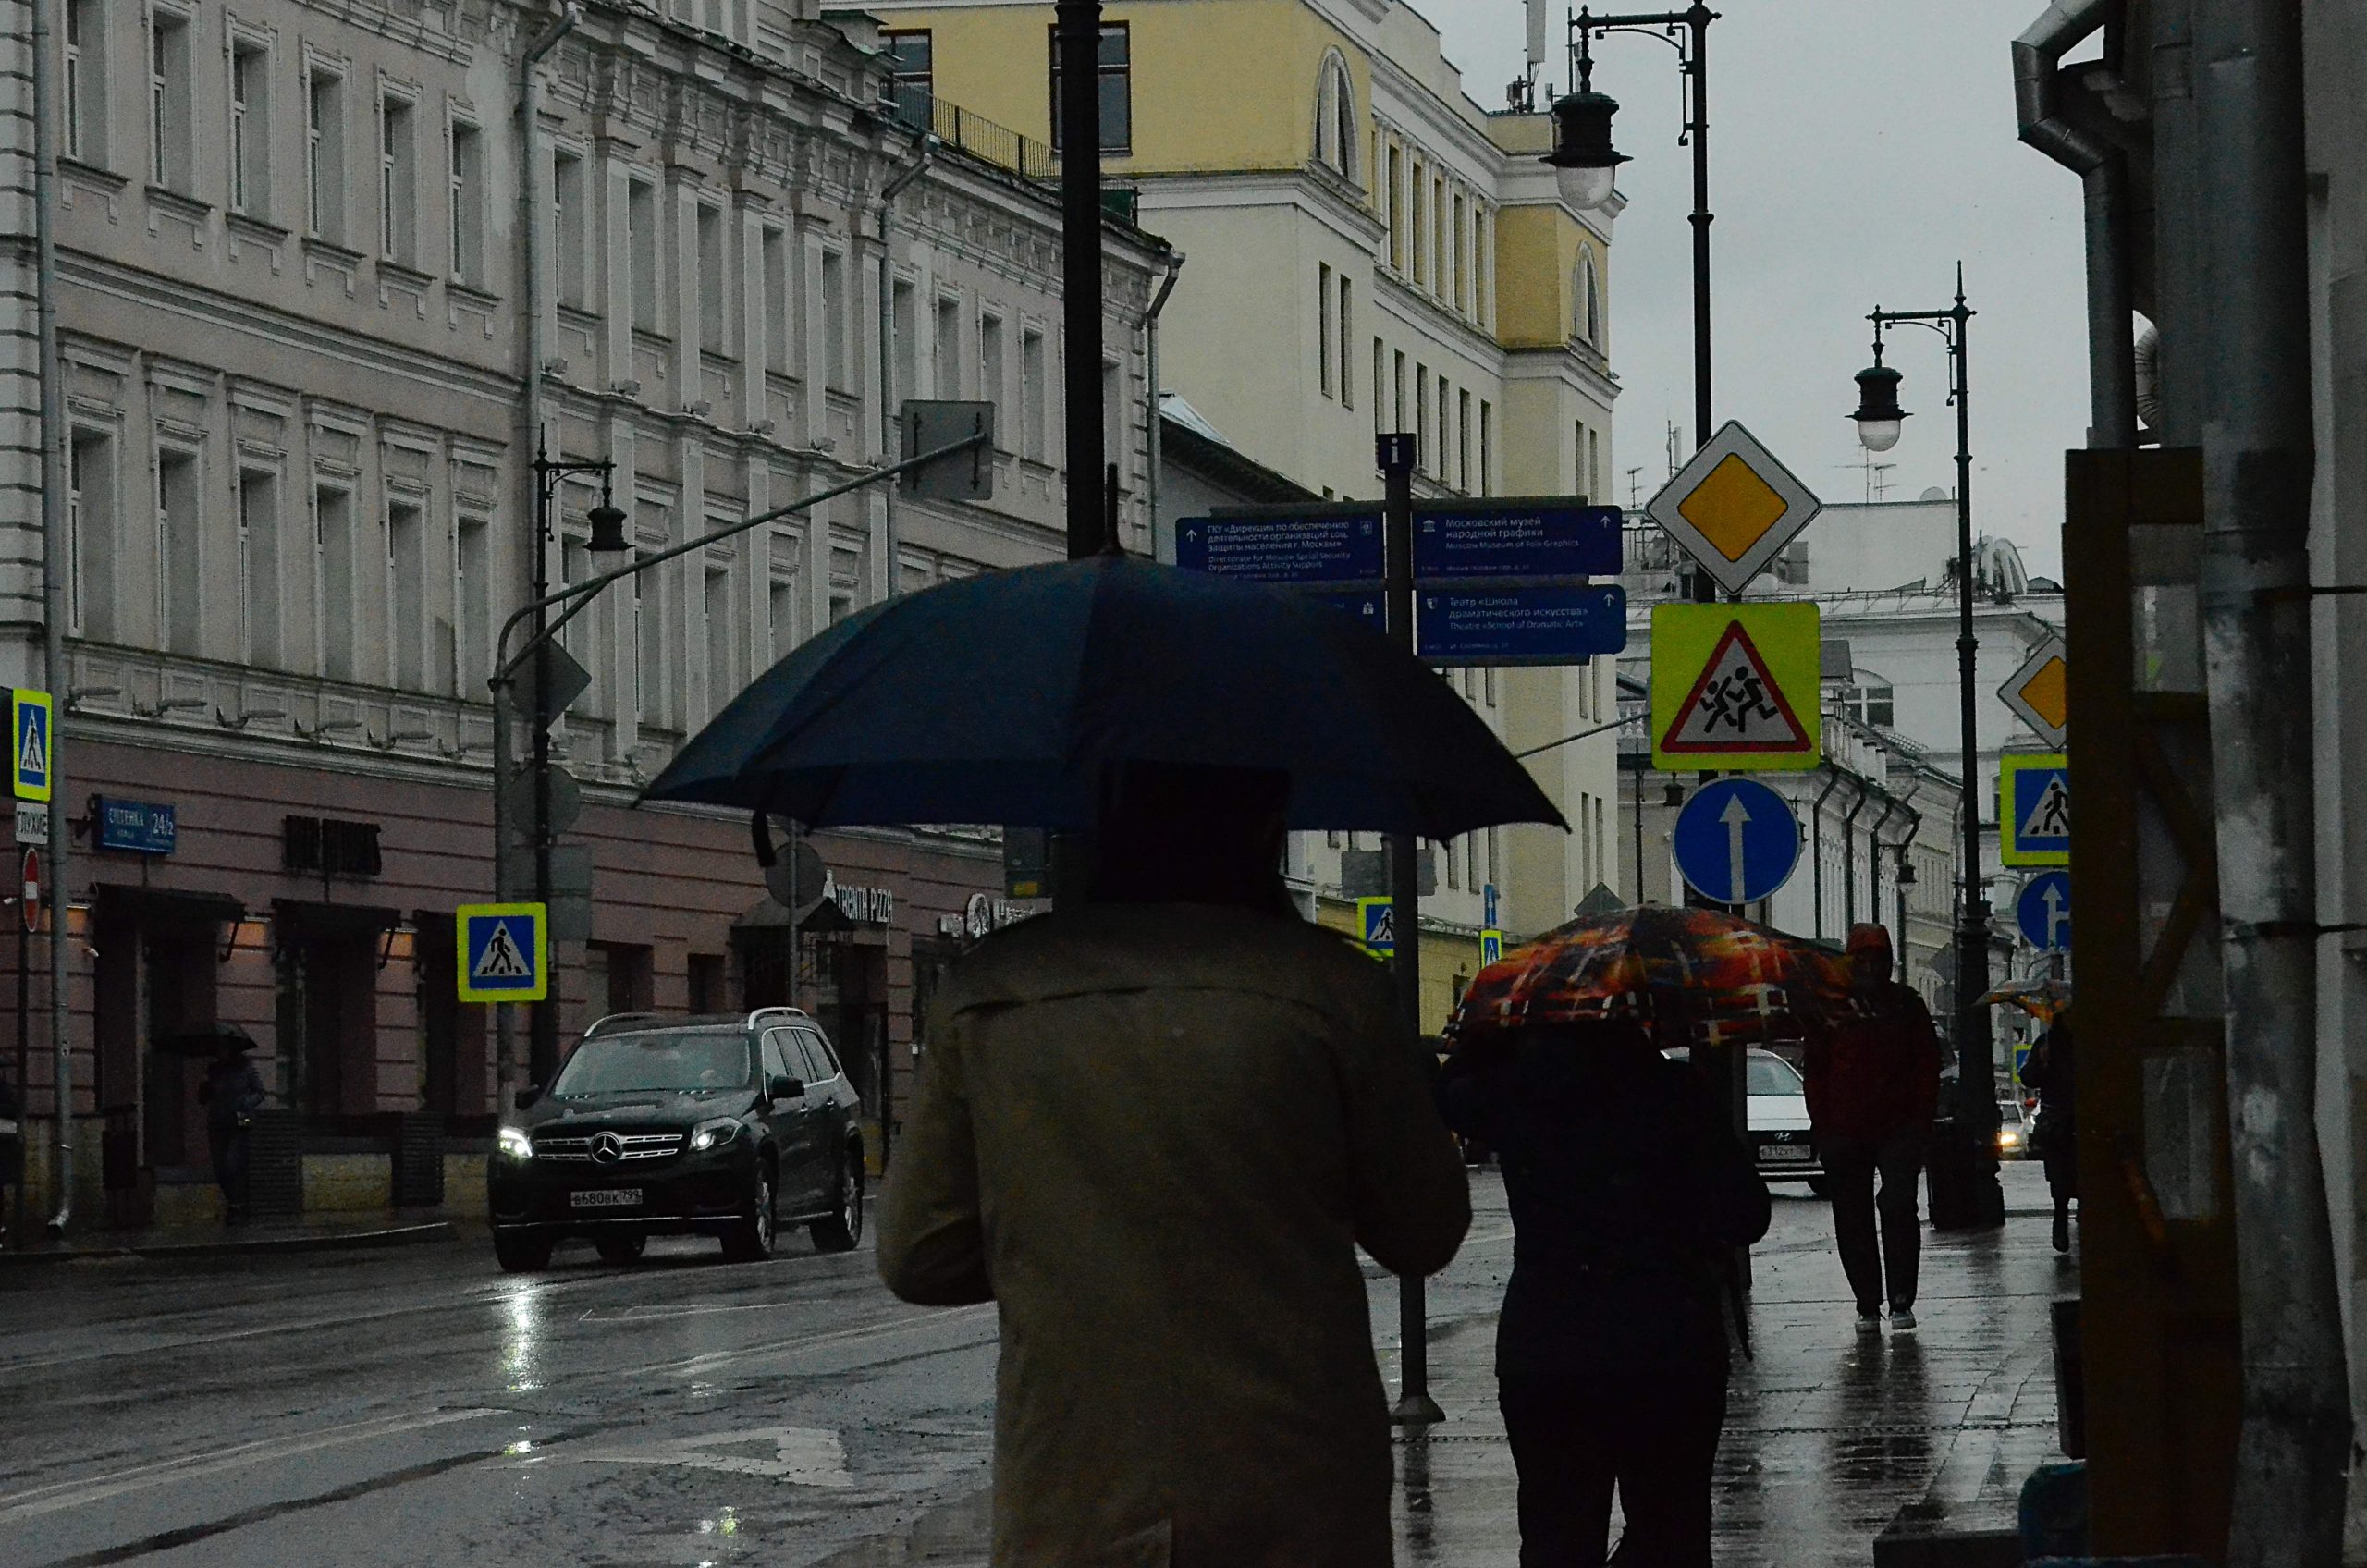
(55, 568)
(2104, 176)
(1154, 445)
(1816, 835)
(889, 410)
(2258, 462)
(1849, 857)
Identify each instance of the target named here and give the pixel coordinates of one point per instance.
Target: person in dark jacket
(1629, 1196)
(1874, 1083)
(232, 1093)
(2050, 1072)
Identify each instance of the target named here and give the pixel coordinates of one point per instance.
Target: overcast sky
(1859, 148)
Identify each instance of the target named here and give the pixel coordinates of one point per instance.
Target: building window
(904, 334)
(91, 546)
(641, 251)
(86, 82)
(398, 180)
(1397, 406)
(1418, 236)
(1335, 118)
(949, 345)
(1589, 303)
(407, 593)
(250, 128)
(1441, 284)
(1032, 412)
(1116, 70)
(1347, 353)
(717, 605)
(180, 561)
(473, 606)
(259, 616)
(773, 256)
(333, 575)
(1483, 266)
(1594, 464)
(171, 148)
(1323, 329)
(990, 366)
(1455, 274)
(1442, 430)
(1396, 211)
(835, 370)
(912, 65)
(1869, 699)
(1486, 447)
(467, 181)
(571, 227)
(1379, 381)
(1422, 455)
(324, 154)
(715, 293)
(1463, 445)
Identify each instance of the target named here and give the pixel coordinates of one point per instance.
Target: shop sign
(864, 906)
(982, 916)
(139, 827)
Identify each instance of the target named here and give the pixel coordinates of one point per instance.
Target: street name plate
(1543, 624)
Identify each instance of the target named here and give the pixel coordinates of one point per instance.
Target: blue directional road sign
(2043, 912)
(1333, 545)
(1736, 841)
(504, 953)
(1525, 537)
(1544, 624)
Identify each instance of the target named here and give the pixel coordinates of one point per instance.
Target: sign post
(31, 911)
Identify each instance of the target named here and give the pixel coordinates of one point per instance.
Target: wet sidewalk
(1830, 1433)
(345, 1232)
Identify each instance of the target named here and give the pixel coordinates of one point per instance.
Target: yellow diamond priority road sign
(2040, 690)
(1734, 507)
(1734, 686)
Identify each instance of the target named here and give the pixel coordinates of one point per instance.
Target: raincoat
(1155, 1136)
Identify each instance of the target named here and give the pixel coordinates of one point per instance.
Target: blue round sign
(1736, 841)
(2043, 912)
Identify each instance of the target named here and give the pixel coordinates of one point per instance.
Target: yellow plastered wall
(1445, 959)
(1537, 262)
(1218, 84)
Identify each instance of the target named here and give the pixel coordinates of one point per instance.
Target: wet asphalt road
(418, 1406)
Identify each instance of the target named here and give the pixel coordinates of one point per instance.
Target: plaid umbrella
(2043, 999)
(1686, 976)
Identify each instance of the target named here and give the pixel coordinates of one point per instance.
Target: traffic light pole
(1396, 455)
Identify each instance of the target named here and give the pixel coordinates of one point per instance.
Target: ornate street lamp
(1878, 416)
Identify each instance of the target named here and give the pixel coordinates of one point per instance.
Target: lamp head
(1585, 163)
(608, 521)
(1878, 416)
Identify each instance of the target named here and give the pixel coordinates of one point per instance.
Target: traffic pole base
(1966, 1193)
(1416, 1410)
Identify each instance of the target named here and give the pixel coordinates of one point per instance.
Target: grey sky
(1858, 149)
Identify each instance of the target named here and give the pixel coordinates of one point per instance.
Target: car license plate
(1776, 1153)
(607, 1197)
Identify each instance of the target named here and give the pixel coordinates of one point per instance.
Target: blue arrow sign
(1544, 624)
(1322, 547)
(2043, 912)
(1515, 538)
(1736, 842)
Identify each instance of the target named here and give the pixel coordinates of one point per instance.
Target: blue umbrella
(1001, 698)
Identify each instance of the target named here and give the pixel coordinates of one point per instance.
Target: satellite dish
(1936, 493)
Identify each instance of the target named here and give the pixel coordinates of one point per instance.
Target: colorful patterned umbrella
(1685, 974)
(2043, 999)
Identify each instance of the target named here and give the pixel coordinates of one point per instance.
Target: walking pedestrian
(1628, 1194)
(1154, 1131)
(2056, 1137)
(1874, 1083)
(231, 1093)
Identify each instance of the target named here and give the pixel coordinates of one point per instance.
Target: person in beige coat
(1155, 1130)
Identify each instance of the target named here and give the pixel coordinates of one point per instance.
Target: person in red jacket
(1874, 1086)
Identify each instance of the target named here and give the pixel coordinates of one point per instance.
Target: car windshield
(1773, 1076)
(674, 1063)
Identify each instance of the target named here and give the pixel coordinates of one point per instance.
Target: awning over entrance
(309, 919)
(170, 904)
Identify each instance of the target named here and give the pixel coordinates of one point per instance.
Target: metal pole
(54, 570)
(24, 1088)
(2258, 459)
(1078, 29)
(1699, 17)
(1976, 1065)
(542, 1038)
(1396, 456)
(888, 405)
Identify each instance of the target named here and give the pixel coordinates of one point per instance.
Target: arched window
(1588, 303)
(1336, 141)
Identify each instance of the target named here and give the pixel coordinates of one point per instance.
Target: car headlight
(2007, 1137)
(513, 1143)
(713, 1135)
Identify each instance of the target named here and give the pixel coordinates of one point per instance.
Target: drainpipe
(1875, 856)
(2103, 177)
(923, 155)
(1849, 857)
(1150, 398)
(1906, 848)
(1816, 832)
(55, 568)
(532, 209)
(2257, 460)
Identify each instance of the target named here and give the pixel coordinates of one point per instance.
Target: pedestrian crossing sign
(1491, 948)
(1734, 687)
(1376, 926)
(35, 739)
(504, 953)
(2034, 810)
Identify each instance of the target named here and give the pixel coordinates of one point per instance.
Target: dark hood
(640, 1110)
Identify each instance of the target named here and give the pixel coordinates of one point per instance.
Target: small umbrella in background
(1687, 975)
(2043, 999)
(205, 1039)
(1005, 698)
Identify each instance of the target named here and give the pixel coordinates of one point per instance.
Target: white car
(1779, 1121)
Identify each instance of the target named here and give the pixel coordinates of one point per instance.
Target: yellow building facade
(1365, 250)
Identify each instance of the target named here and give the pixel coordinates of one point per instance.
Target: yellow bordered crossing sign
(2040, 692)
(1734, 687)
(1734, 507)
(36, 736)
(2034, 809)
(504, 951)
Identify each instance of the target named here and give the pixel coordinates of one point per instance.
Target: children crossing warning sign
(1734, 687)
(504, 953)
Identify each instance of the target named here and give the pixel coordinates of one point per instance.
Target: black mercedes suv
(726, 1126)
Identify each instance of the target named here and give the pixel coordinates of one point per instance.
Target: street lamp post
(1980, 1200)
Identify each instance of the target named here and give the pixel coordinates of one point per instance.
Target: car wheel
(750, 1240)
(521, 1252)
(841, 1229)
(622, 1249)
